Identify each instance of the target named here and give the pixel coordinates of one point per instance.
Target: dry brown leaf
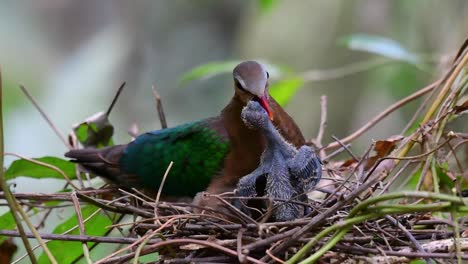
(461, 108)
(192, 247)
(382, 149)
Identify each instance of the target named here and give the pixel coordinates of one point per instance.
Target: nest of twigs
(401, 200)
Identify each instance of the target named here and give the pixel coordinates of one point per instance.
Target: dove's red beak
(264, 103)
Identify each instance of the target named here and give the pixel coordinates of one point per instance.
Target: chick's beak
(264, 103)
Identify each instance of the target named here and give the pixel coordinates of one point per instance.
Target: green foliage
(27, 168)
(7, 222)
(284, 90)
(150, 258)
(66, 251)
(418, 261)
(381, 46)
(207, 70)
(266, 5)
(211, 69)
(96, 131)
(413, 181)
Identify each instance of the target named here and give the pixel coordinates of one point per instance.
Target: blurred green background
(73, 55)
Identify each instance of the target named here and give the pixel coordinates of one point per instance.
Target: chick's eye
(268, 75)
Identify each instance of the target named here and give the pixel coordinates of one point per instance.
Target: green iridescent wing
(197, 150)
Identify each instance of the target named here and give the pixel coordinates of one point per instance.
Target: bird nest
(399, 201)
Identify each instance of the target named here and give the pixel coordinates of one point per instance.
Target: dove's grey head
(251, 84)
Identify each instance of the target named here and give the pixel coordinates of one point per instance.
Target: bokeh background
(73, 55)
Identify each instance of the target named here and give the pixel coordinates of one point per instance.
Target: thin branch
(383, 114)
(353, 68)
(409, 236)
(76, 205)
(44, 115)
(159, 107)
(79, 238)
(114, 100)
(161, 185)
(155, 246)
(323, 125)
(6, 189)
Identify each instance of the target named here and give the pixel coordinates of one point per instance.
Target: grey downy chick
(289, 172)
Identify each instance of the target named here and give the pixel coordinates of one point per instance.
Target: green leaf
(418, 261)
(7, 222)
(66, 251)
(379, 45)
(208, 70)
(266, 5)
(211, 69)
(26, 168)
(413, 181)
(284, 90)
(96, 131)
(150, 258)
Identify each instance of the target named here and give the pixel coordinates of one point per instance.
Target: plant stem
(6, 190)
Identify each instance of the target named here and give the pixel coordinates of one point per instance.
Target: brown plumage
(213, 153)
(247, 145)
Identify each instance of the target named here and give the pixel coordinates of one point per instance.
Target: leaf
(150, 258)
(96, 226)
(418, 261)
(266, 5)
(96, 131)
(207, 70)
(211, 69)
(382, 149)
(27, 168)
(7, 222)
(414, 180)
(379, 45)
(284, 90)
(461, 108)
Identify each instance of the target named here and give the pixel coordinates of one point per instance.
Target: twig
(159, 107)
(275, 258)
(349, 175)
(409, 236)
(114, 100)
(444, 91)
(6, 189)
(35, 233)
(383, 114)
(155, 246)
(321, 217)
(336, 152)
(44, 115)
(323, 124)
(353, 68)
(76, 205)
(407, 254)
(161, 185)
(78, 238)
(240, 254)
(268, 241)
(141, 245)
(345, 148)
